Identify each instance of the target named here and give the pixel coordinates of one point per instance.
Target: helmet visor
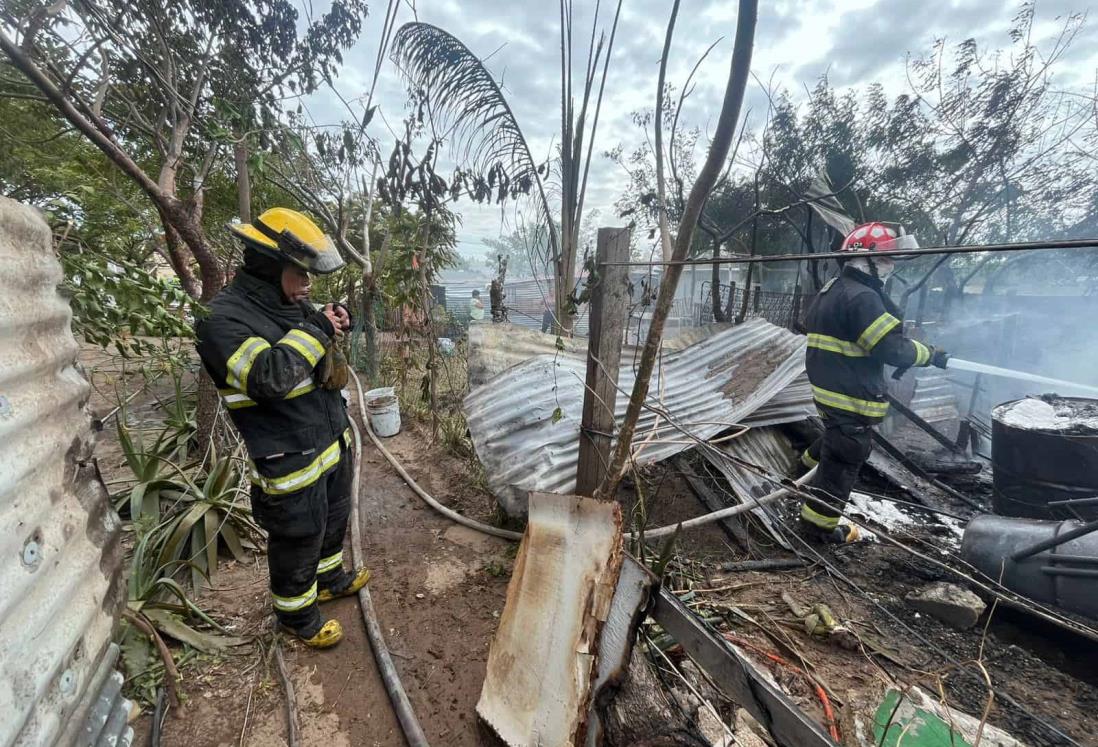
(318, 256)
(906, 242)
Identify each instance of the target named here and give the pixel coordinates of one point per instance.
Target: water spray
(1063, 387)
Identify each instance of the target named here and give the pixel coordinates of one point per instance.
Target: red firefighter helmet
(878, 237)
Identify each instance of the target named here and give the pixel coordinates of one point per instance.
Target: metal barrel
(1065, 575)
(1035, 467)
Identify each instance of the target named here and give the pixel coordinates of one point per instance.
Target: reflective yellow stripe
(807, 460)
(304, 387)
(293, 604)
(866, 407)
(922, 353)
(835, 345)
(876, 331)
(330, 563)
(300, 479)
(240, 362)
(235, 399)
(304, 343)
(815, 517)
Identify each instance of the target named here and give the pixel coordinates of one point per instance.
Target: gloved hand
(344, 314)
(325, 320)
(939, 358)
(334, 373)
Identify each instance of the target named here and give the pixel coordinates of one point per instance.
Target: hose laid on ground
(406, 715)
(724, 513)
(449, 513)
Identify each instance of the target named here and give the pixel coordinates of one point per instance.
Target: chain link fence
(776, 307)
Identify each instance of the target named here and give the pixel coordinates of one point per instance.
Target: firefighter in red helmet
(854, 329)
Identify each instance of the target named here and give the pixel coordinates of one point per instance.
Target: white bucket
(383, 411)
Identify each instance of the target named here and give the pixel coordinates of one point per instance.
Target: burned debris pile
(975, 579)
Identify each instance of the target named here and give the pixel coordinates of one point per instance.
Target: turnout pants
(840, 454)
(305, 543)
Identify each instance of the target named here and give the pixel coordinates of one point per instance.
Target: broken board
(541, 664)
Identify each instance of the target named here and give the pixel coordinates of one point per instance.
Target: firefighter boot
(328, 635)
(346, 585)
(818, 524)
(843, 534)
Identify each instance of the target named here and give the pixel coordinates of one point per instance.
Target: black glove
(320, 319)
(939, 358)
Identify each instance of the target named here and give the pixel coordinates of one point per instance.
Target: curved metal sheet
(525, 421)
(59, 553)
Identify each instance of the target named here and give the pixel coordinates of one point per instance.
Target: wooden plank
(737, 677)
(609, 300)
(617, 638)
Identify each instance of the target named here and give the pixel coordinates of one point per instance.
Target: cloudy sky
(856, 42)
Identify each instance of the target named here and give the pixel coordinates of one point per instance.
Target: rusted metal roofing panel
(541, 665)
(525, 421)
(59, 553)
(493, 348)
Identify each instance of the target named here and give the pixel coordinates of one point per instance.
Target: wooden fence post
(609, 299)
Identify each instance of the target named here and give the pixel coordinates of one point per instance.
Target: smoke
(1047, 334)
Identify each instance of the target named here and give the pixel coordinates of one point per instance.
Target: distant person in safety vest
(476, 307)
(277, 365)
(854, 329)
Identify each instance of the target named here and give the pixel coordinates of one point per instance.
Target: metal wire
(899, 253)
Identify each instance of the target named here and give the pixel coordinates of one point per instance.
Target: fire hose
(402, 706)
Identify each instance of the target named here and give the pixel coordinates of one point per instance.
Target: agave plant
(209, 513)
(158, 606)
(180, 419)
(147, 463)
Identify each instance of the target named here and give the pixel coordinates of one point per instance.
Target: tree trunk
(564, 287)
(179, 259)
(640, 712)
(369, 319)
(746, 20)
(243, 181)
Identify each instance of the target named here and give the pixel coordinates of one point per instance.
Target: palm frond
(468, 104)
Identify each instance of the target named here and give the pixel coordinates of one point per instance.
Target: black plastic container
(1033, 468)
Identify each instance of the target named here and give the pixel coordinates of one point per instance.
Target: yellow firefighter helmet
(290, 236)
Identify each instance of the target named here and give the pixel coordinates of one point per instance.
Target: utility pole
(609, 300)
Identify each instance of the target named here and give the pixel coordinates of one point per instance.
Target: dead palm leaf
(468, 103)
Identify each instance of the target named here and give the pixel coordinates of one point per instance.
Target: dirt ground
(438, 589)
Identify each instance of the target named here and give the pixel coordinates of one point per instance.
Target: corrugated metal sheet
(541, 664)
(707, 387)
(934, 399)
(766, 448)
(493, 348)
(60, 557)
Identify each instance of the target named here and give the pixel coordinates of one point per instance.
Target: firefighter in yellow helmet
(276, 363)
